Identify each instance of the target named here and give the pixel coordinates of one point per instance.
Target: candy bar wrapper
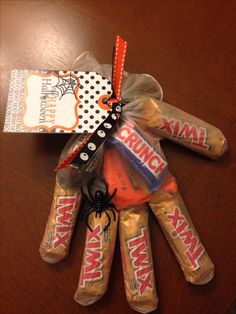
(142, 152)
(169, 209)
(137, 259)
(60, 225)
(167, 121)
(65, 207)
(120, 175)
(97, 260)
(190, 131)
(138, 165)
(143, 96)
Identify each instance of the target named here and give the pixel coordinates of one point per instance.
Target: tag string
(85, 151)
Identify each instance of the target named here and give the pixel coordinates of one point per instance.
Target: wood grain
(189, 46)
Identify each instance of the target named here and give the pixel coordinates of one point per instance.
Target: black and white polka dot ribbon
(98, 137)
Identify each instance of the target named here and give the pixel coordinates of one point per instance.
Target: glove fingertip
(87, 299)
(142, 309)
(51, 257)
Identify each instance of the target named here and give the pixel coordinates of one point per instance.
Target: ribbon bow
(91, 144)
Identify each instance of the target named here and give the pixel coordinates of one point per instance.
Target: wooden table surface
(189, 46)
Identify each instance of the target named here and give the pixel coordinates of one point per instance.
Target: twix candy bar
(97, 259)
(64, 209)
(60, 225)
(137, 259)
(170, 211)
(185, 129)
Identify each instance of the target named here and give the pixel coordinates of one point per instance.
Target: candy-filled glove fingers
(170, 122)
(125, 150)
(60, 225)
(64, 210)
(137, 262)
(177, 226)
(98, 256)
(190, 131)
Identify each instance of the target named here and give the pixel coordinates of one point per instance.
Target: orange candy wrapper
(121, 176)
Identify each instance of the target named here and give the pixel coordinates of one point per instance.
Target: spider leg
(83, 208)
(82, 191)
(113, 213)
(111, 205)
(85, 211)
(112, 195)
(84, 196)
(109, 222)
(87, 217)
(106, 186)
(93, 209)
(89, 189)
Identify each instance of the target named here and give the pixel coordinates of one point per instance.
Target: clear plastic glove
(134, 193)
(133, 182)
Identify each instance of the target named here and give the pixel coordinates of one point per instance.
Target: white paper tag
(56, 101)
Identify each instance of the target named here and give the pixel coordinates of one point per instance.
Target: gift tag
(56, 101)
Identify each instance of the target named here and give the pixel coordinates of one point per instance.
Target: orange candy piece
(120, 175)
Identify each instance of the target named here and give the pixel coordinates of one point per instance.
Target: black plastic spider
(99, 203)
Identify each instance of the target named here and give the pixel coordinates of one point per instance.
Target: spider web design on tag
(91, 86)
(67, 86)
